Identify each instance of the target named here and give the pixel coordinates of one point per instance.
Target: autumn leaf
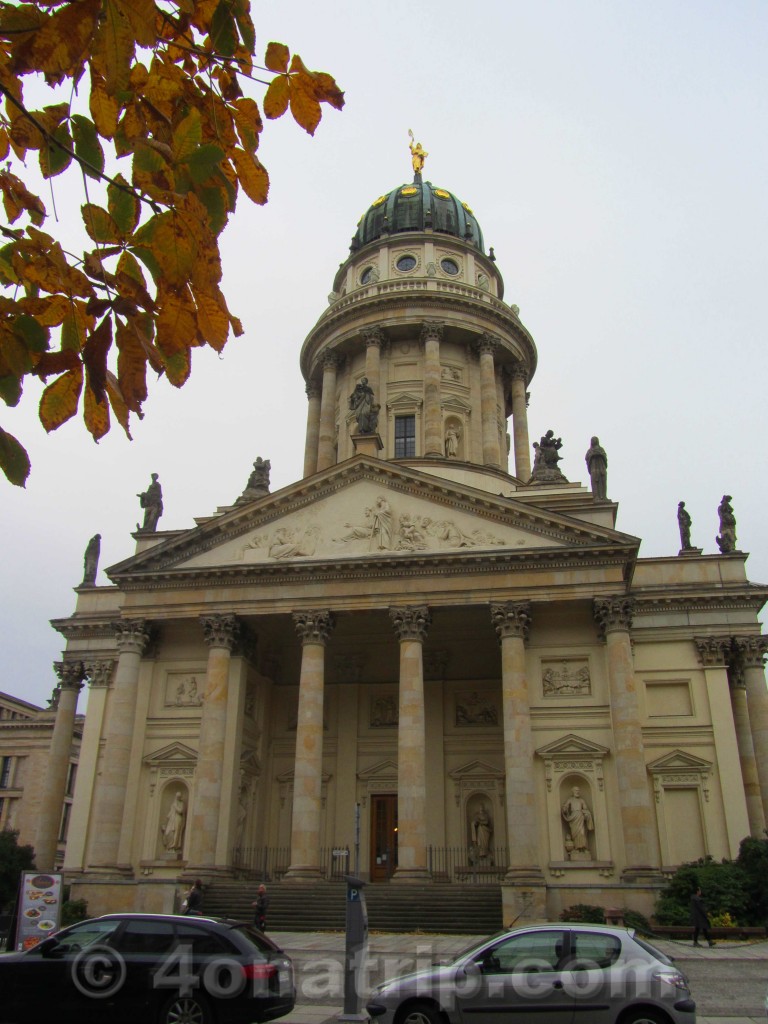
(13, 459)
(276, 58)
(252, 174)
(87, 146)
(99, 224)
(60, 399)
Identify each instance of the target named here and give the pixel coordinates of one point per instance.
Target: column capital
(713, 651)
(70, 673)
(313, 389)
(99, 673)
(432, 330)
(513, 618)
(487, 344)
(613, 614)
(518, 372)
(220, 630)
(374, 337)
(132, 635)
(411, 622)
(314, 626)
(329, 360)
(751, 650)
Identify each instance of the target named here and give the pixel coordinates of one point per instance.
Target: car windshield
(81, 935)
(652, 950)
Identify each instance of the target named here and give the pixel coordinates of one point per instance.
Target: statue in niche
(151, 501)
(173, 829)
(258, 481)
(482, 831)
(365, 409)
(597, 464)
(546, 458)
(726, 539)
(684, 522)
(91, 561)
(452, 443)
(578, 817)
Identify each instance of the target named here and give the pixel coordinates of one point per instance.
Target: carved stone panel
(476, 708)
(184, 690)
(565, 677)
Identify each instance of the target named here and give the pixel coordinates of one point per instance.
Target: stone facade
(416, 635)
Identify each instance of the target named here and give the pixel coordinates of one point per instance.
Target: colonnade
(739, 660)
(322, 410)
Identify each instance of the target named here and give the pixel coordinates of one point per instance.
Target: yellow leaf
(212, 318)
(248, 122)
(116, 400)
(99, 224)
(252, 175)
(131, 366)
(277, 57)
(141, 16)
(277, 97)
(187, 136)
(117, 44)
(62, 43)
(60, 399)
(304, 106)
(96, 413)
(176, 333)
(102, 106)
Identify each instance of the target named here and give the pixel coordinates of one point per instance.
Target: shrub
(587, 913)
(73, 911)
(634, 919)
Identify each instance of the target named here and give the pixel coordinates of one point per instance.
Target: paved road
(728, 982)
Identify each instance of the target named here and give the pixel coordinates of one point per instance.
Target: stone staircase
(447, 909)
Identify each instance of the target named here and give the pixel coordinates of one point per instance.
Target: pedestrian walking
(700, 919)
(193, 904)
(261, 905)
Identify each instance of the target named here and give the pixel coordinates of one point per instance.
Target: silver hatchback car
(551, 974)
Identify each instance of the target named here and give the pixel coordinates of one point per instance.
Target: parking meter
(356, 951)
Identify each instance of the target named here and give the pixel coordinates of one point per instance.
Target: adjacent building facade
(432, 653)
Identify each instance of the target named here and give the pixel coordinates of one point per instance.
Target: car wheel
(420, 1013)
(186, 1010)
(642, 1016)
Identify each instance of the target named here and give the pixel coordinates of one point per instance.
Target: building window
(405, 437)
(71, 776)
(406, 263)
(2, 808)
(5, 772)
(64, 827)
(449, 267)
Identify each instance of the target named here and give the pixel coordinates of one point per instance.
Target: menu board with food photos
(39, 908)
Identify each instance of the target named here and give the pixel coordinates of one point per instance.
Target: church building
(432, 658)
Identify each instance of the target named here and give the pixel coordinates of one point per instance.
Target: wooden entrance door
(383, 836)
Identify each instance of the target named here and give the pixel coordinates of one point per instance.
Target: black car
(148, 969)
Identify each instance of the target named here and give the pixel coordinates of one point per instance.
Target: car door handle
(557, 984)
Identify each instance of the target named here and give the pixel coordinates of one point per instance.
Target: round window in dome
(367, 276)
(406, 263)
(449, 267)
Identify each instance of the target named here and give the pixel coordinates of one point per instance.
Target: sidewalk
(724, 971)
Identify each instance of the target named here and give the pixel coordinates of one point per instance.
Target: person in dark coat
(700, 919)
(194, 899)
(261, 905)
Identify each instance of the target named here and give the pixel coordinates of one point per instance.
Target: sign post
(356, 951)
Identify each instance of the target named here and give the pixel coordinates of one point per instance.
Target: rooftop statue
(152, 502)
(684, 522)
(418, 154)
(258, 481)
(597, 464)
(546, 458)
(91, 561)
(726, 539)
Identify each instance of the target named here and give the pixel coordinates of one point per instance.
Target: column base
(121, 871)
(416, 876)
(690, 551)
(367, 444)
(524, 898)
(303, 873)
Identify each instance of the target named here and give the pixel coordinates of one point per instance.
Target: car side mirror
(50, 948)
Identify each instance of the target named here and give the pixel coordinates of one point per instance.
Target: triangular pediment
(378, 772)
(679, 760)
(173, 753)
(370, 509)
(479, 770)
(571, 745)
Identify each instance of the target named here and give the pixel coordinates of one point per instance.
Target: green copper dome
(418, 206)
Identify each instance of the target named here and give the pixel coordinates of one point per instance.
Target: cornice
(77, 627)
(745, 597)
(392, 300)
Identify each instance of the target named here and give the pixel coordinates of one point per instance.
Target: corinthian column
(749, 774)
(131, 640)
(431, 333)
(521, 443)
(374, 339)
(751, 652)
(714, 654)
(411, 624)
(614, 617)
(70, 683)
(313, 428)
(220, 633)
(326, 445)
(313, 627)
(486, 347)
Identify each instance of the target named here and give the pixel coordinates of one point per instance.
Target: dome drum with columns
(428, 631)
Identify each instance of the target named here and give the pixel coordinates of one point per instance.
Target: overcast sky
(615, 155)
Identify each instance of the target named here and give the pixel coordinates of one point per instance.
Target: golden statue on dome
(418, 154)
